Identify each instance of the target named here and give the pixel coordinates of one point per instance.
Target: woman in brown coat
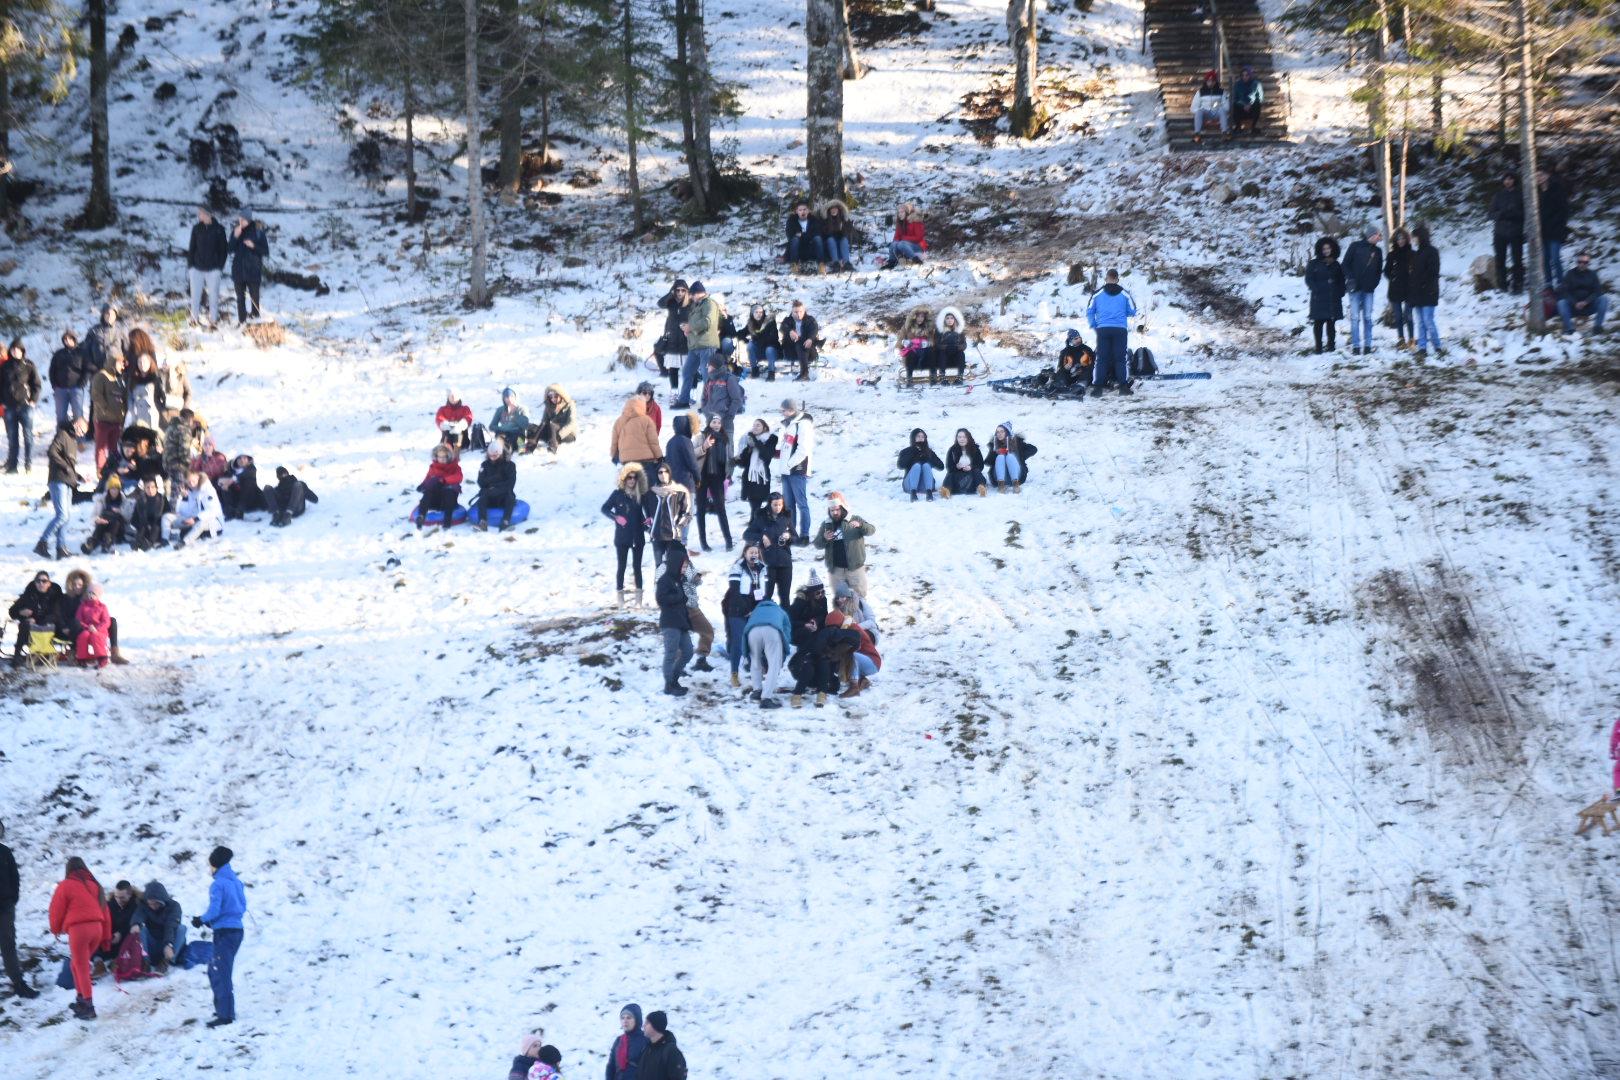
(635, 439)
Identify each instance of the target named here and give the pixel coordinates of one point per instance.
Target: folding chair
(42, 649)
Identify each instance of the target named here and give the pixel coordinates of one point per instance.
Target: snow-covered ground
(1245, 742)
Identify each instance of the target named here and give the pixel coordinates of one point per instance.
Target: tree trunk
(1406, 148)
(1535, 272)
(477, 288)
(697, 52)
(99, 211)
(509, 169)
(1378, 115)
(1027, 116)
(852, 63)
(683, 100)
(5, 135)
(410, 144)
(637, 209)
(824, 101)
(1437, 106)
(1502, 102)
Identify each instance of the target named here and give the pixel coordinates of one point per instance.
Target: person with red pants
(79, 911)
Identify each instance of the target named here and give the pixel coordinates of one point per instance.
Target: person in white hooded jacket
(196, 514)
(795, 442)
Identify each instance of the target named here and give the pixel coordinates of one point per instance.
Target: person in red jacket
(654, 413)
(910, 238)
(441, 488)
(454, 421)
(79, 911)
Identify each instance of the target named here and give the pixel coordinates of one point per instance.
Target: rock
(1250, 190)
(1222, 193)
(1331, 224)
(165, 91)
(306, 282)
(1483, 273)
(1077, 273)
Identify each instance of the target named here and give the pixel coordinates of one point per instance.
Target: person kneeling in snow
(441, 487)
(497, 487)
(288, 498)
(918, 462)
(163, 929)
(1009, 458)
(196, 512)
(865, 661)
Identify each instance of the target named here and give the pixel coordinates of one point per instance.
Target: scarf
(621, 1053)
(759, 470)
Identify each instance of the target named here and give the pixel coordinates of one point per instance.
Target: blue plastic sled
(520, 514)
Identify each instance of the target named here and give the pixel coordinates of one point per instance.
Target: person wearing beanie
(249, 248)
(548, 1060)
(10, 891)
(842, 542)
(795, 443)
(497, 487)
(663, 1059)
(649, 394)
(1075, 363)
(528, 1054)
(723, 396)
(510, 422)
(624, 1056)
(227, 903)
(772, 530)
(670, 349)
(674, 620)
(454, 420)
(702, 329)
(1007, 457)
(812, 658)
(111, 524)
(1210, 100)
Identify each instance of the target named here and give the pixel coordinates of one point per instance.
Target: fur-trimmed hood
(939, 320)
(562, 395)
(635, 469)
(842, 206)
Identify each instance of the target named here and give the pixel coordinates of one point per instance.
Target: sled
(1161, 377)
(458, 516)
(1600, 813)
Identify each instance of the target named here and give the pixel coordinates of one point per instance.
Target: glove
(621, 519)
(196, 921)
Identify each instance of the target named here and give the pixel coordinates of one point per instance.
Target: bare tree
(824, 107)
(477, 287)
(1536, 315)
(632, 115)
(99, 212)
(852, 63)
(1027, 115)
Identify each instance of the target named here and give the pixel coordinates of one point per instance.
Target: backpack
(1143, 366)
(131, 961)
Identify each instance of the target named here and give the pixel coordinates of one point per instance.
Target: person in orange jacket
(79, 910)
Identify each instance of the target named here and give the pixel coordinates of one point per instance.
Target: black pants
(624, 550)
(804, 354)
(437, 495)
(1504, 247)
(711, 499)
(1250, 113)
(505, 502)
(1318, 325)
(8, 946)
(111, 533)
(780, 578)
(244, 289)
(662, 549)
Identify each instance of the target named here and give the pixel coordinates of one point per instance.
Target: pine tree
(99, 212)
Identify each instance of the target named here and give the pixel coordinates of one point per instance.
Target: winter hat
(1008, 425)
(660, 1022)
(796, 404)
(220, 856)
(450, 394)
(836, 498)
(281, 472)
(634, 1011)
(1073, 336)
(109, 309)
(646, 388)
(842, 591)
(697, 287)
(550, 1055)
(114, 484)
(814, 583)
(716, 362)
(508, 393)
(531, 1045)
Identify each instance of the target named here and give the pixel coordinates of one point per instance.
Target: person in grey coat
(723, 396)
(674, 622)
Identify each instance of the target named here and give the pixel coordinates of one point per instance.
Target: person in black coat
(681, 455)
(238, 487)
(35, 609)
(19, 393)
(803, 232)
(674, 621)
(146, 519)
(764, 342)
(249, 248)
(964, 467)
(70, 375)
(714, 471)
(799, 334)
(624, 1056)
(497, 487)
(677, 306)
(1074, 368)
(1324, 277)
(288, 498)
(1553, 202)
(772, 529)
(755, 454)
(630, 507)
(1507, 233)
(917, 462)
(1398, 272)
(1363, 270)
(662, 1060)
(1425, 293)
(205, 260)
(10, 890)
(162, 926)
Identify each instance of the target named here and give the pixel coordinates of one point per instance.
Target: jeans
(697, 362)
(677, 654)
(796, 497)
(1361, 318)
(767, 354)
(865, 666)
(1113, 356)
(734, 640)
(206, 280)
(1199, 112)
(72, 403)
(60, 495)
(226, 942)
(243, 289)
(20, 420)
(764, 659)
(1428, 334)
(149, 941)
(836, 248)
(1566, 312)
(918, 478)
(1552, 258)
(804, 249)
(904, 249)
(1004, 469)
(1404, 313)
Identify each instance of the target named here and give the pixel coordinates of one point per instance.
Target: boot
(118, 657)
(41, 550)
(621, 595)
(1001, 489)
(983, 491)
(856, 687)
(821, 699)
(797, 701)
(945, 493)
(735, 681)
(674, 688)
(1017, 487)
(913, 496)
(767, 702)
(702, 664)
(930, 496)
(62, 552)
(86, 547)
(638, 598)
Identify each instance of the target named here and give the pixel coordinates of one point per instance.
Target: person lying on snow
(917, 463)
(454, 420)
(196, 513)
(1008, 458)
(497, 488)
(441, 487)
(288, 498)
(964, 467)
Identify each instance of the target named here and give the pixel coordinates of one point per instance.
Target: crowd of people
(510, 433)
(73, 613)
(135, 933)
(643, 1050)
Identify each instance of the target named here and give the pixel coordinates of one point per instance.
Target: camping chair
(43, 649)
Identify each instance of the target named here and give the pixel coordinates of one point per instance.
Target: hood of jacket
(634, 469)
(156, 891)
(1113, 288)
(635, 1011)
(636, 406)
(562, 396)
(835, 202)
(683, 425)
(939, 320)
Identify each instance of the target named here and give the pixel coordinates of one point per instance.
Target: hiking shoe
(217, 1022)
(674, 689)
(702, 664)
(41, 550)
(769, 703)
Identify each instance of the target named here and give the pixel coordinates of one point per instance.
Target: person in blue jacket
(227, 903)
(680, 454)
(767, 633)
(163, 928)
(625, 1054)
(1110, 313)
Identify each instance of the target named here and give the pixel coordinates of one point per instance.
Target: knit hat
(658, 1021)
(813, 583)
(220, 856)
(114, 484)
(796, 404)
(451, 394)
(1008, 425)
(1073, 336)
(508, 393)
(842, 591)
(646, 388)
(697, 287)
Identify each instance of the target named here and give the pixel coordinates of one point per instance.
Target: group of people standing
(643, 1050)
(247, 247)
(1412, 270)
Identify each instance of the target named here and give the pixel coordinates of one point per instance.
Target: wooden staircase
(1187, 37)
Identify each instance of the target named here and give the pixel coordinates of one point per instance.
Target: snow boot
(913, 496)
(1017, 488)
(983, 491)
(735, 681)
(769, 703)
(856, 688)
(482, 526)
(930, 496)
(1096, 391)
(702, 664)
(673, 688)
(41, 550)
(62, 552)
(821, 699)
(797, 701)
(945, 493)
(217, 1022)
(118, 657)
(1126, 391)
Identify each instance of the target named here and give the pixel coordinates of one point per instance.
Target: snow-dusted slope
(1244, 742)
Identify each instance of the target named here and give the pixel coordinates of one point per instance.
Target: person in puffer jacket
(1110, 313)
(630, 508)
(197, 513)
(79, 910)
(1007, 457)
(672, 513)
(163, 927)
(917, 463)
(624, 1056)
(497, 487)
(680, 454)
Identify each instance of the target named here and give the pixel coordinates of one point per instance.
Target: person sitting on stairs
(1210, 100)
(1247, 97)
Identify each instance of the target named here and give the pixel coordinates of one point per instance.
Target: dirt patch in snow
(874, 22)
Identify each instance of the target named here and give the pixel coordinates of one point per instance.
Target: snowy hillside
(1245, 742)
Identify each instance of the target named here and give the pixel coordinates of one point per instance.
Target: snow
(1244, 742)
